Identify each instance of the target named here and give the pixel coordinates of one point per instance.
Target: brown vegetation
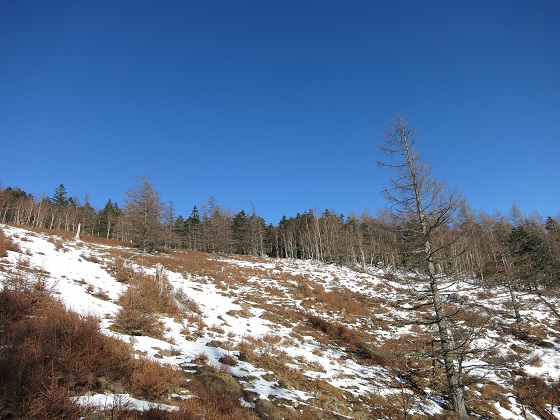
(141, 304)
(7, 244)
(49, 353)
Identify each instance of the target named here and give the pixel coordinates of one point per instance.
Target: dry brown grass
(488, 395)
(108, 242)
(64, 234)
(58, 244)
(340, 300)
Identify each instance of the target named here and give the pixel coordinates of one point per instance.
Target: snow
(108, 401)
(77, 271)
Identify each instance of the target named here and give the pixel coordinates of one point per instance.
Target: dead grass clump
(352, 339)
(247, 348)
(90, 258)
(391, 276)
(64, 234)
(58, 244)
(336, 331)
(409, 359)
(271, 339)
(483, 295)
(7, 244)
(194, 327)
(217, 329)
(104, 241)
(536, 335)
(188, 304)
(216, 396)
(228, 360)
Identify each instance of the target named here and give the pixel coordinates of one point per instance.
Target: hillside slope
(297, 338)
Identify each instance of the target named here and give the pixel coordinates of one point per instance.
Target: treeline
(493, 247)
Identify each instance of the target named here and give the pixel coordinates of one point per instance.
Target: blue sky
(279, 104)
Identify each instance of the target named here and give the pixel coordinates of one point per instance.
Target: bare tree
(419, 199)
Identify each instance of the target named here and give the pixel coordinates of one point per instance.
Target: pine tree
(531, 257)
(192, 230)
(59, 199)
(239, 231)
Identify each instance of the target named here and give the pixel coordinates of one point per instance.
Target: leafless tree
(424, 202)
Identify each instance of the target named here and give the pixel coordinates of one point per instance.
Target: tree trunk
(453, 383)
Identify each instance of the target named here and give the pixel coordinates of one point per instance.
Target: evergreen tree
(240, 231)
(107, 219)
(192, 230)
(531, 257)
(59, 199)
(87, 217)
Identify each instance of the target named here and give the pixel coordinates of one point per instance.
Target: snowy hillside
(303, 337)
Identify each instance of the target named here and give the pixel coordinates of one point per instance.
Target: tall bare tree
(419, 199)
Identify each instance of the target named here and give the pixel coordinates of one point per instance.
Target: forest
(492, 247)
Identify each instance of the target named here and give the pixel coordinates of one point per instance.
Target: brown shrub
(151, 380)
(140, 304)
(537, 393)
(47, 351)
(120, 271)
(228, 360)
(246, 350)
(54, 402)
(214, 404)
(340, 300)
(6, 244)
(64, 234)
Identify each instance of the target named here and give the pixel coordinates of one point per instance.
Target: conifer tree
(420, 199)
(145, 213)
(108, 218)
(59, 199)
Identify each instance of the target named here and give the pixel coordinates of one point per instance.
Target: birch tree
(417, 197)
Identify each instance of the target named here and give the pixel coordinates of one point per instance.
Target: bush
(48, 352)
(140, 304)
(6, 244)
(151, 380)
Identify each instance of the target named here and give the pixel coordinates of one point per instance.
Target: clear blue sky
(279, 103)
